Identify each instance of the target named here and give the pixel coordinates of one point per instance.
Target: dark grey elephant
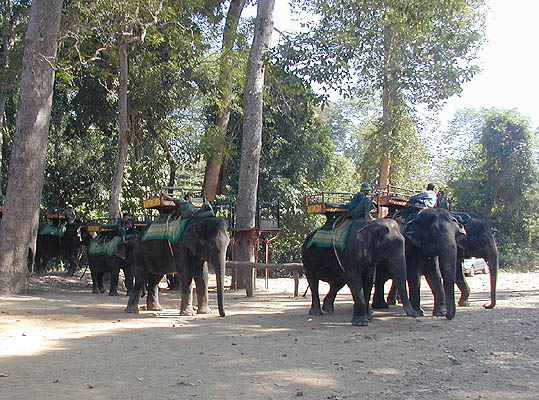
(478, 242)
(203, 242)
(68, 246)
(431, 250)
(369, 244)
(123, 258)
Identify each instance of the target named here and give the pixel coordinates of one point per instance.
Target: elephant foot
(189, 312)
(328, 308)
(132, 310)
(360, 321)
(380, 305)
(95, 291)
(204, 310)
(419, 311)
(464, 303)
(314, 311)
(113, 293)
(411, 312)
(154, 307)
(438, 312)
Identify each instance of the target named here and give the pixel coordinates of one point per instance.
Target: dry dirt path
(63, 342)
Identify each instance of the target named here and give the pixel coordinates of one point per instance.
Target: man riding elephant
(361, 204)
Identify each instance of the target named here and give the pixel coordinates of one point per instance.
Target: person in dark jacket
(361, 204)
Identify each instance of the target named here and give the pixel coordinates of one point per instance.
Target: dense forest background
(486, 159)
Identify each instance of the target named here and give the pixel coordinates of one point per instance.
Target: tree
(497, 177)
(164, 69)
(225, 94)
(409, 52)
(21, 212)
(252, 132)
(14, 17)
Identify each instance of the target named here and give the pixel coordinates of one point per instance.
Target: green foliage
(426, 48)
(497, 179)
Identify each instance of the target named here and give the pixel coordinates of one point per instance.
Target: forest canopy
(385, 65)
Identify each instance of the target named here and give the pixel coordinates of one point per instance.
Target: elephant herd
(204, 241)
(433, 244)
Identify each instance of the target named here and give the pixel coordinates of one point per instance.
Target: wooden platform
(162, 198)
(327, 202)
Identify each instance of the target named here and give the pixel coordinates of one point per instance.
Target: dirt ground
(63, 342)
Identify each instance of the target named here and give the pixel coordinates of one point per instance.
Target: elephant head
(208, 241)
(433, 234)
(381, 244)
(479, 242)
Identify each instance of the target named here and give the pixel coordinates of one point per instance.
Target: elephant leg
(359, 317)
(462, 285)
(368, 280)
(152, 301)
(134, 297)
(329, 300)
(201, 280)
(392, 295)
(95, 288)
(114, 273)
(435, 283)
(382, 275)
(414, 286)
(100, 285)
(128, 276)
(73, 266)
(313, 281)
(186, 293)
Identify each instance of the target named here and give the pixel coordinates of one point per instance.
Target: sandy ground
(63, 342)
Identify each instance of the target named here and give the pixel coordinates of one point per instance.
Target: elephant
(369, 244)
(68, 246)
(203, 241)
(123, 258)
(478, 242)
(431, 250)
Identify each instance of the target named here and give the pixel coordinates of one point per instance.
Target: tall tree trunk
(18, 230)
(3, 98)
(173, 165)
(385, 163)
(224, 88)
(3, 90)
(123, 142)
(387, 123)
(252, 137)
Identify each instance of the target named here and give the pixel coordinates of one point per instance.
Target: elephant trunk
(397, 263)
(220, 268)
(448, 262)
(492, 261)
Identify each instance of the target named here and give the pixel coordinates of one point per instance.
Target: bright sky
(509, 59)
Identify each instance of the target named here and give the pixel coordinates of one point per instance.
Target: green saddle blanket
(49, 229)
(103, 247)
(170, 230)
(327, 236)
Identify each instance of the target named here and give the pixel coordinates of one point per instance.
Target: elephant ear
(363, 237)
(412, 232)
(190, 241)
